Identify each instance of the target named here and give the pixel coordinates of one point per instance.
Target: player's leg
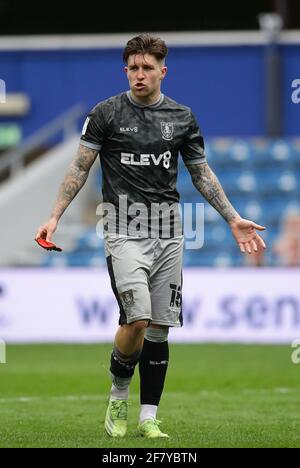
(166, 284)
(125, 355)
(127, 269)
(153, 368)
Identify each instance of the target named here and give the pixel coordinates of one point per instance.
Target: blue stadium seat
(219, 154)
(238, 182)
(254, 211)
(54, 260)
(229, 259)
(277, 182)
(217, 235)
(210, 214)
(272, 154)
(274, 209)
(195, 258)
(295, 147)
(89, 240)
(281, 154)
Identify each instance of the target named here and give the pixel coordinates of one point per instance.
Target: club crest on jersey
(167, 129)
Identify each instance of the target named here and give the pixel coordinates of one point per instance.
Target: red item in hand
(47, 245)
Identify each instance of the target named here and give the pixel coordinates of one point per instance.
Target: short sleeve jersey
(139, 147)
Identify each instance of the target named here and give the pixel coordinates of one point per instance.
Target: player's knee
(138, 326)
(157, 334)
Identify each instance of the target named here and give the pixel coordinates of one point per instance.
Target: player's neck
(147, 100)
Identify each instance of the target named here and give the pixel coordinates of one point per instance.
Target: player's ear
(163, 72)
(126, 70)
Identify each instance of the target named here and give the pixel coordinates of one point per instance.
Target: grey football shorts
(146, 278)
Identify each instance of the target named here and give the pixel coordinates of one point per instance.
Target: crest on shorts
(127, 298)
(167, 129)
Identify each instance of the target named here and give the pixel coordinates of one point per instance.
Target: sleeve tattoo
(209, 186)
(74, 180)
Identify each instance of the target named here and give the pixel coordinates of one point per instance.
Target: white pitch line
(25, 399)
(203, 393)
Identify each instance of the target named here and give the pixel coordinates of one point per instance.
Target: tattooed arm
(74, 180)
(209, 186)
(243, 230)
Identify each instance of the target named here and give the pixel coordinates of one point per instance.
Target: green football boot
(116, 418)
(150, 430)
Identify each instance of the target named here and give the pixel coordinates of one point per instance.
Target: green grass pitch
(215, 396)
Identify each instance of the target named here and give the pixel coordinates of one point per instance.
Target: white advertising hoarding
(219, 305)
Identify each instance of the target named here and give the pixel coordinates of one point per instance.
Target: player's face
(145, 73)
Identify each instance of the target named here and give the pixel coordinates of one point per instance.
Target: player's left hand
(244, 232)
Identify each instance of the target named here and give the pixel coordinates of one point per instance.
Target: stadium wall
(77, 305)
(221, 77)
(25, 204)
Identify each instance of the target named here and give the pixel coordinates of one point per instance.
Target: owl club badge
(167, 130)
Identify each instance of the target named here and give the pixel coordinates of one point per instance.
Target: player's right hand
(46, 230)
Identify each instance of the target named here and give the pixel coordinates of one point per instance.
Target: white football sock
(148, 412)
(119, 393)
(120, 387)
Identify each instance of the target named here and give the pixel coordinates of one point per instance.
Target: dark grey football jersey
(139, 147)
